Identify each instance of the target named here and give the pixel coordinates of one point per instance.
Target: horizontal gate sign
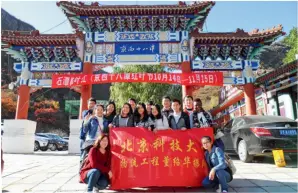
(199, 79)
(56, 66)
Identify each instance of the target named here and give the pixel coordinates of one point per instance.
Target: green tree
(292, 41)
(121, 92)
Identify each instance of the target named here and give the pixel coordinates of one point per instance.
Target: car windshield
(266, 119)
(41, 135)
(54, 136)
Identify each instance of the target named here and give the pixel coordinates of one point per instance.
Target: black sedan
(249, 136)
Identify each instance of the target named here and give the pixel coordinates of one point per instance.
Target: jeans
(221, 177)
(81, 146)
(96, 178)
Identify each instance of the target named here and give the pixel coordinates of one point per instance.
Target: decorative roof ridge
(34, 38)
(274, 29)
(278, 70)
(34, 33)
(96, 5)
(241, 33)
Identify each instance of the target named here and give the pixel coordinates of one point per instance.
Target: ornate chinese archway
(168, 35)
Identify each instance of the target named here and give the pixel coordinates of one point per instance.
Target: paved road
(48, 173)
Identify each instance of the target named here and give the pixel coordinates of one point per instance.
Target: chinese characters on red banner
(141, 158)
(202, 78)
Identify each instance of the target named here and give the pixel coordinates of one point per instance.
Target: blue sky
(224, 16)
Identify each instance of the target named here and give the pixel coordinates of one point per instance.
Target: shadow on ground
(269, 160)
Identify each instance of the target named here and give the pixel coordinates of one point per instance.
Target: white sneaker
(224, 191)
(219, 189)
(95, 190)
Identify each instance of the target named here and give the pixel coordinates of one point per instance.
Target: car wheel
(243, 153)
(53, 147)
(44, 148)
(36, 146)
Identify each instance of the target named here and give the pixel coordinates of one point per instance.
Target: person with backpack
(96, 167)
(125, 118)
(199, 117)
(219, 172)
(141, 116)
(159, 121)
(178, 120)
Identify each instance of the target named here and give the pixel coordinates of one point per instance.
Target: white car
(41, 143)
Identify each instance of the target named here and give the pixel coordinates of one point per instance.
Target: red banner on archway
(199, 79)
(141, 158)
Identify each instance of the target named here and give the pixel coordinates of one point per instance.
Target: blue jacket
(217, 158)
(82, 133)
(91, 127)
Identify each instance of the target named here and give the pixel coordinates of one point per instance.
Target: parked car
(56, 142)
(66, 138)
(41, 142)
(249, 136)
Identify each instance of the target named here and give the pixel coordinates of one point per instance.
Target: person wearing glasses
(219, 174)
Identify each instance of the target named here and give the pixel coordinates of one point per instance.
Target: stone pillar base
(18, 136)
(74, 136)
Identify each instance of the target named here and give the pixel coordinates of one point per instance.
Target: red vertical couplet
(23, 102)
(85, 89)
(250, 101)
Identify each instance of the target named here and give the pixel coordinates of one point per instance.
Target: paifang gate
(168, 35)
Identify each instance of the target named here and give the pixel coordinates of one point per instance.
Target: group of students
(97, 121)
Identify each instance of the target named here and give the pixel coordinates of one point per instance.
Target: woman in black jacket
(141, 117)
(124, 118)
(110, 112)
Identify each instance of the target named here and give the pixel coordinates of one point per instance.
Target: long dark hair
(159, 116)
(130, 109)
(114, 112)
(137, 115)
(98, 140)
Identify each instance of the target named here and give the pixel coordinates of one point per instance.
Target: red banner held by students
(200, 78)
(141, 158)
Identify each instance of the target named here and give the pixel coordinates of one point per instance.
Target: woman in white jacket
(160, 122)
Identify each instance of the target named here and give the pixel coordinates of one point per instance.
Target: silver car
(41, 143)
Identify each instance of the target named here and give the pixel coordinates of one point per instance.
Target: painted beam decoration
(46, 83)
(18, 66)
(238, 80)
(225, 65)
(136, 47)
(56, 66)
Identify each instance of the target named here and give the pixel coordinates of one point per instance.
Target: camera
(90, 111)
